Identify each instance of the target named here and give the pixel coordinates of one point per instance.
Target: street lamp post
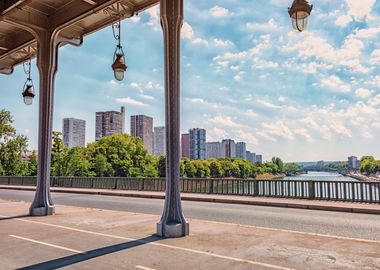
(299, 12)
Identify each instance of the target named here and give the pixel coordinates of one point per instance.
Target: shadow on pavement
(13, 217)
(77, 258)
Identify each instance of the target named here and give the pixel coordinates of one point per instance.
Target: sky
(245, 75)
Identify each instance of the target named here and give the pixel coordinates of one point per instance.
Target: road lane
(322, 222)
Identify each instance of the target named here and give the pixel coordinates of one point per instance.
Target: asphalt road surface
(351, 225)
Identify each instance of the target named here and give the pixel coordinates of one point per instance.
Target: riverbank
(270, 176)
(364, 178)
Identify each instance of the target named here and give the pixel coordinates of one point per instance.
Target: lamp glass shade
(28, 100)
(300, 24)
(119, 67)
(28, 94)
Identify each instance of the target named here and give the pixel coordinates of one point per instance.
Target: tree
(76, 163)
(278, 162)
(161, 166)
(216, 170)
(126, 155)
(11, 147)
(101, 166)
(32, 165)
(202, 169)
(368, 164)
(190, 170)
(58, 155)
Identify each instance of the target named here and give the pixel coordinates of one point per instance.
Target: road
(351, 225)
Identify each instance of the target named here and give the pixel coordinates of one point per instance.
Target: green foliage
(58, 155)
(190, 169)
(278, 162)
(216, 170)
(369, 165)
(76, 163)
(32, 166)
(11, 148)
(161, 166)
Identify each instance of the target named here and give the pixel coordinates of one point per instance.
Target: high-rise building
(159, 143)
(109, 123)
(74, 132)
(259, 159)
(197, 137)
(230, 148)
(251, 156)
(142, 126)
(185, 145)
(215, 150)
(241, 149)
(353, 163)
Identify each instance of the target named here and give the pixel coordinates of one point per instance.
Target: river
(321, 176)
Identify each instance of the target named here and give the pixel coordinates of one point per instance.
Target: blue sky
(246, 75)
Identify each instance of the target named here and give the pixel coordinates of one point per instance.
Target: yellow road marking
(46, 244)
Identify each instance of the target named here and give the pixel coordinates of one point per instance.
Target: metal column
(172, 223)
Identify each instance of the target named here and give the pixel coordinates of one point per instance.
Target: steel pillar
(46, 62)
(172, 223)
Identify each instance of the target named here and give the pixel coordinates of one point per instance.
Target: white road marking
(47, 244)
(143, 267)
(295, 232)
(271, 266)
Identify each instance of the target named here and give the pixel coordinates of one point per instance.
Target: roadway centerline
(47, 244)
(210, 254)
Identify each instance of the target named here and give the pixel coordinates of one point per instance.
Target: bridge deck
(82, 238)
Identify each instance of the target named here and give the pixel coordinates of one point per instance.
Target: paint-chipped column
(46, 62)
(172, 223)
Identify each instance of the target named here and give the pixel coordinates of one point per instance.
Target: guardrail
(368, 192)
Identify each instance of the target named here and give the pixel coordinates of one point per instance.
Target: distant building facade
(259, 159)
(229, 148)
(241, 150)
(197, 138)
(159, 142)
(109, 123)
(353, 163)
(251, 156)
(142, 126)
(215, 150)
(185, 145)
(74, 132)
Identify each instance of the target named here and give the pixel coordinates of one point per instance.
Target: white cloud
(335, 83)
(217, 11)
(304, 133)
(147, 97)
(267, 104)
(343, 20)
(278, 129)
(237, 78)
(224, 121)
(360, 9)
(250, 113)
(310, 45)
(130, 101)
(154, 17)
(187, 33)
(271, 25)
(222, 43)
(375, 57)
(363, 93)
(340, 129)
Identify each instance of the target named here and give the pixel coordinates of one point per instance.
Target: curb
(301, 205)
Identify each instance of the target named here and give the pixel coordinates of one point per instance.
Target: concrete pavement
(83, 238)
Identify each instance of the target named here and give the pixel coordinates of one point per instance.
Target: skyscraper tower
(109, 123)
(142, 126)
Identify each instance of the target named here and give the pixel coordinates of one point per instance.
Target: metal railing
(367, 192)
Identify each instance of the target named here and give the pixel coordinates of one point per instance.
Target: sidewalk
(85, 238)
(247, 200)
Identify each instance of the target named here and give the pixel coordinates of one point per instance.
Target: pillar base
(174, 230)
(42, 211)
